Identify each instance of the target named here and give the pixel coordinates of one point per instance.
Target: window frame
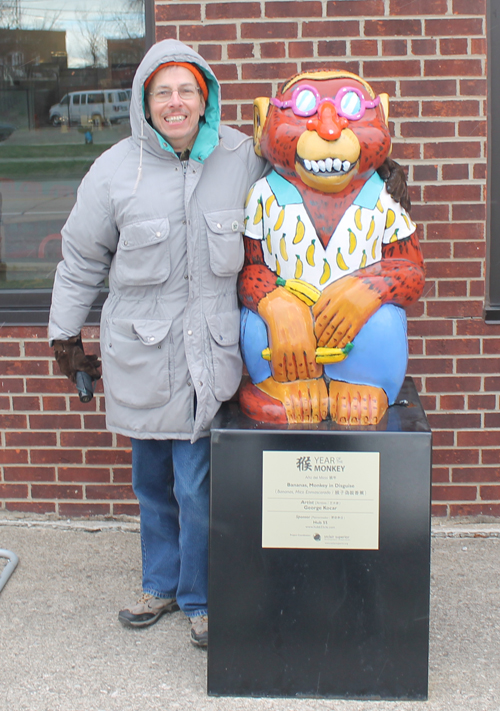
(491, 311)
(30, 307)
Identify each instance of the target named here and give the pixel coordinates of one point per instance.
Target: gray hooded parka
(168, 234)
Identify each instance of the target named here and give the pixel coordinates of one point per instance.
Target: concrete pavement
(62, 648)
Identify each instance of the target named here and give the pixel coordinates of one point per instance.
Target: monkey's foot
(300, 401)
(356, 404)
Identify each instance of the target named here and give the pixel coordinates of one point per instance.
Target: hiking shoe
(199, 630)
(147, 610)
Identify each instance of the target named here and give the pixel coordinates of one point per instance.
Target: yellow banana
(268, 242)
(374, 248)
(352, 241)
(278, 265)
(370, 229)
(406, 219)
(327, 272)
(390, 218)
(299, 231)
(357, 219)
(394, 236)
(258, 212)
(280, 219)
(308, 293)
(323, 355)
(249, 195)
(269, 202)
(310, 253)
(379, 206)
(283, 251)
(363, 260)
(299, 267)
(340, 261)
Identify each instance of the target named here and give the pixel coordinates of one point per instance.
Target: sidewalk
(62, 648)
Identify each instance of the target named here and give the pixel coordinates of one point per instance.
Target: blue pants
(171, 481)
(379, 356)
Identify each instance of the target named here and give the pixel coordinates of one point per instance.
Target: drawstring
(142, 138)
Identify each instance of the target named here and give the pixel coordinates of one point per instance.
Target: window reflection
(66, 68)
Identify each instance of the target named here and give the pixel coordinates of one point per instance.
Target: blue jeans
(171, 481)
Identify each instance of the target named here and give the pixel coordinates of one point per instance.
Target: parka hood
(208, 135)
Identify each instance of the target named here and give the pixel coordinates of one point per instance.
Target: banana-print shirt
(276, 215)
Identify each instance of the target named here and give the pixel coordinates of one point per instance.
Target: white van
(98, 106)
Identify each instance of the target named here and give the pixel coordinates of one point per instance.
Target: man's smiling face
(175, 119)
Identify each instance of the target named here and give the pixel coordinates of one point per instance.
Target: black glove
(395, 179)
(71, 358)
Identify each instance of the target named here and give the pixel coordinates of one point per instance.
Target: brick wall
(430, 56)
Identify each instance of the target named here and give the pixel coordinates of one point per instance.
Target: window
(54, 122)
(492, 300)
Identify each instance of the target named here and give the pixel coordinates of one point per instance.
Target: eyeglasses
(349, 102)
(186, 92)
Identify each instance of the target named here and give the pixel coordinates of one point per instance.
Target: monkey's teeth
(322, 166)
(328, 165)
(315, 166)
(337, 165)
(307, 164)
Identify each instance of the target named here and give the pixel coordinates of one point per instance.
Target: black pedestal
(329, 622)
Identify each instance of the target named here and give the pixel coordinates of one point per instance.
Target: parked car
(96, 106)
(6, 131)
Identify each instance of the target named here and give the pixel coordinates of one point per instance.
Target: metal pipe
(13, 560)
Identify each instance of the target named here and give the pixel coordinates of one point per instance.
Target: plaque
(320, 500)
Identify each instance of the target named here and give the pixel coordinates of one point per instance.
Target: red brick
(452, 289)
(473, 87)
(456, 171)
(492, 419)
(468, 212)
(478, 365)
(246, 91)
(475, 510)
(360, 8)
(330, 28)
(273, 70)
(454, 27)
(393, 28)
(364, 48)
(5, 403)
(453, 270)
(272, 50)
(411, 151)
(477, 439)
(40, 507)
(472, 128)
(394, 48)
(454, 493)
(418, 7)
(13, 491)
(26, 403)
(455, 149)
(452, 67)
(56, 456)
(450, 108)
(49, 385)
(38, 349)
(122, 475)
(475, 474)
(387, 68)
(9, 349)
(229, 113)
(436, 250)
(454, 45)
(293, 8)
(225, 72)
(112, 491)
(474, 250)
(240, 50)
(71, 510)
(332, 48)
(94, 422)
(478, 327)
(104, 456)
(491, 345)
(207, 33)
(479, 172)
(232, 10)
(477, 289)
(415, 347)
(13, 456)
(29, 474)
(428, 402)
(490, 456)
(406, 109)
(440, 476)
(454, 309)
(453, 346)
(449, 193)
(210, 52)
(55, 422)
(423, 46)
(432, 366)
(185, 12)
(24, 332)
(23, 367)
(454, 421)
(13, 422)
(439, 510)
(270, 30)
(425, 173)
(297, 50)
(482, 402)
(479, 46)
(429, 87)
(31, 439)
(86, 439)
(431, 129)
(455, 231)
(453, 384)
(452, 402)
(339, 64)
(57, 403)
(56, 491)
(466, 7)
(429, 327)
(441, 438)
(83, 474)
(126, 509)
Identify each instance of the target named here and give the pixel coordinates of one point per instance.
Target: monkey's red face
(326, 129)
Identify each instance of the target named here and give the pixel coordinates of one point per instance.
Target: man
(162, 214)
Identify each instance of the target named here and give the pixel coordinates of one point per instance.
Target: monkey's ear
(384, 102)
(260, 108)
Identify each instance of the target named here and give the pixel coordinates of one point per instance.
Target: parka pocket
(137, 360)
(226, 357)
(143, 253)
(225, 243)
